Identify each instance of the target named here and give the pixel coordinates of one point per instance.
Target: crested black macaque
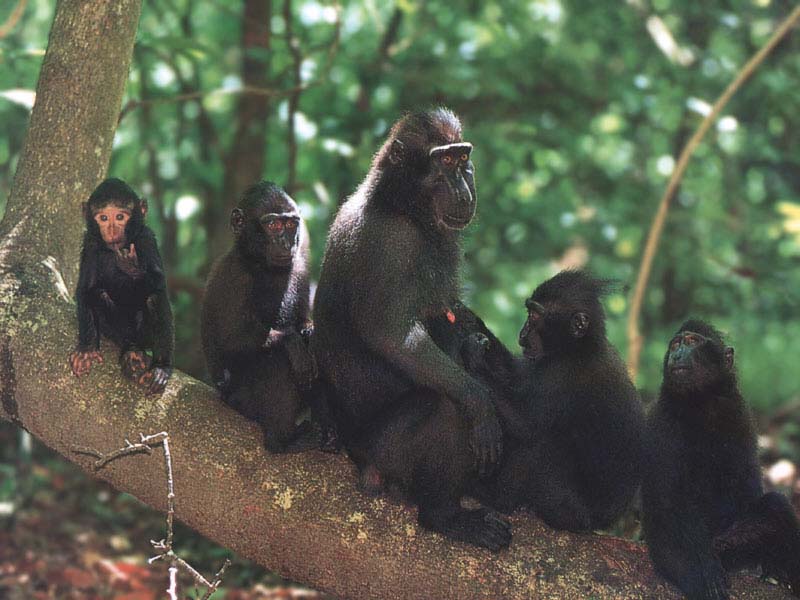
(122, 290)
(581, 464)
(405, 409)
(255, 323)
(705, 512)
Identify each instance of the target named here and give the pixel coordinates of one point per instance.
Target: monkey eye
(692, 340)
(675, 344)
(464, 157)
(447, 159)
(291, 224)
(120, 216)
(104, 217)
(274, 225)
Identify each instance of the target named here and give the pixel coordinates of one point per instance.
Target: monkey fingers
(155, 380)
(329, 440)
(134, 364)
(81, 362)
(128, 262)
(274, 337)
(486, 442)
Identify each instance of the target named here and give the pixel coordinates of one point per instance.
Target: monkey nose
(523, 336)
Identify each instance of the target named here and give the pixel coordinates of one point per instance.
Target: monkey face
(694, 360)
(451, 185)
(281, 232)
(112, 220)
(268, 227)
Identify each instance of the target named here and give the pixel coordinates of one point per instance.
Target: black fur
(408, 412)
(255, 318)
(705, 512)
(580, 466)
(125, 300)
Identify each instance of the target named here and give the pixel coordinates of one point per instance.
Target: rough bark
(72, 126)
(299, 515)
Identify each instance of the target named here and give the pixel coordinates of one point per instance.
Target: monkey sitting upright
(705, 511)
(255, 321)
(122, 291)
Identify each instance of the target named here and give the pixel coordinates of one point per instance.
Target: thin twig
(164, 546)
(13, 18)
(635, 340)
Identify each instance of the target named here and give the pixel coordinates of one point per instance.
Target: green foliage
(576, 115)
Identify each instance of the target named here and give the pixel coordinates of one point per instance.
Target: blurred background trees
(577, 111)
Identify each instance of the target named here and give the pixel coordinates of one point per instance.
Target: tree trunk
(244, 163)
(78, 100)
(299, 515)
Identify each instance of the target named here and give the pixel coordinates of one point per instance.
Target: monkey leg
(768, 534)
(134, 363)
(424, 447)
(552, 489)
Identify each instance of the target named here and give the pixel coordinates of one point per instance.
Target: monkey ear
(729, 358)
(237, 220)
(579, 324)
(396, 152)
(143, 206)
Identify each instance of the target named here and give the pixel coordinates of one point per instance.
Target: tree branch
(13, 18)
(297, 514)
(635, 340)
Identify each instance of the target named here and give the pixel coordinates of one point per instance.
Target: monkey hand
(473, 351)
(81, 361)
(106, 299)
(486, 440)
(155, 379)
(711, 583)
(274, 337)
(303, 365)
(307, 331)
(128, 262)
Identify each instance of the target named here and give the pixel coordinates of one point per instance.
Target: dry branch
(635, 340)
(164, 547)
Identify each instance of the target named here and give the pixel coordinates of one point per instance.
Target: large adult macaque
(122, 290)
(705, 511)
(407, 411)
(255, 323)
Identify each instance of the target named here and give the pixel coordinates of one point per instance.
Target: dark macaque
(705, 512)
(410, 415)
(255, 323)
(581, 464)
(122, 291)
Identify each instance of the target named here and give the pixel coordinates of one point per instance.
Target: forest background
(577, 111)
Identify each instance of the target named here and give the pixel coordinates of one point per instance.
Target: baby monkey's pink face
(111, 220)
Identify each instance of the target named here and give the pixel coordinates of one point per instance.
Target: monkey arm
(149, 261)
(679, 541)
(387, 324)
(160, 313)
(88, 328)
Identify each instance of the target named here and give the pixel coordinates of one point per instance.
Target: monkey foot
(481, 527)
(134, 364)
(329, 440)
(370, 481)
(81, 362)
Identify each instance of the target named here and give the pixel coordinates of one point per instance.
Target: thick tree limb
(299, 515)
